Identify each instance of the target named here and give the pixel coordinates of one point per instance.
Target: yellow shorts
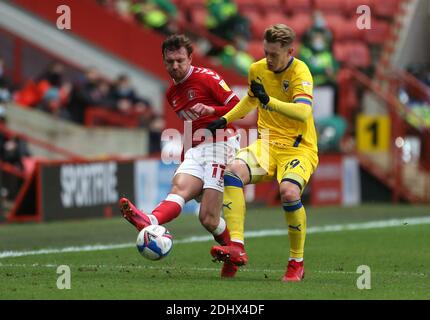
(266, 160)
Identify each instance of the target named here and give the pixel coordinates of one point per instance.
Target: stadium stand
(363, 58)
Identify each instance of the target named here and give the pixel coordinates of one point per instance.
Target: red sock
(166, 211)
(223, 238)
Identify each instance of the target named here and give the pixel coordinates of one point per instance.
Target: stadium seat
(246, 4)
(298, 6)
(198, 16)
(350, 6)
(334, 20)
(259, 26)
(270, 6)
(300, 23)
(352, 53)
(340, 51)
(359, 55)
(379, 32)
(190, 4)
(386, 8)
(255, 49)
(253, 14)
(344, 29)
(329, 6)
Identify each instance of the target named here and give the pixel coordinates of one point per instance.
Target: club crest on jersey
(191, 95)
(285, 85)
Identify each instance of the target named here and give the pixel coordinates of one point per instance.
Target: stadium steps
(92, 143)
(415, 183)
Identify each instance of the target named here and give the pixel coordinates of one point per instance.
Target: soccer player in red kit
(201, 96)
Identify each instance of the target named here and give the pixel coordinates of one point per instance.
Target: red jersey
(201, 85)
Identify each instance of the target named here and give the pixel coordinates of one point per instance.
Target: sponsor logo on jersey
(307, 87)
(285, 85)
(191, 94)
(224, 86)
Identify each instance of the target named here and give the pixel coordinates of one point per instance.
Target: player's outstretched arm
(245, 106)
(296, 111)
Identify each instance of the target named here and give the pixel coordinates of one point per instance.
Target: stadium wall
(86, 142)
(64, 190)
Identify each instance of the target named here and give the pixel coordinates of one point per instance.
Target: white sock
(296, 259)
(221, 227)
(176, 198)
(238, 241)
(153, 219)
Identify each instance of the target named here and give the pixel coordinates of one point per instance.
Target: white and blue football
(154, 242)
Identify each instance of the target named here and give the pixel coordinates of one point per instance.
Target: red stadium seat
(300, 23)
(386, 8)
(334, 20)
(352, 53)
(255, 49)
(199, 16)
(298, 6)
(359, 55)
(252, 14)
(259, 26)
(350, 6)
(246, 4)
(344, 29)
(325, 6)
(270, 6)
(340, 51)
(379, 32)
(189, 4)
(257, 29)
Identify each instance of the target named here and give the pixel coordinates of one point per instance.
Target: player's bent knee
(209, 221)
(239, 169)
(290, 193)
(186, 188)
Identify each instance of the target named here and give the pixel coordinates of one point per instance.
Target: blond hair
(280, 33)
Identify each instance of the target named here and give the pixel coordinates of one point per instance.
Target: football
(154, 242)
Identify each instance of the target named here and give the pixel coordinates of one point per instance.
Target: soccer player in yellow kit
(280, 86)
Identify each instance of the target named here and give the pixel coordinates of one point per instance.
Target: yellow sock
(234, 206)
(295, 215)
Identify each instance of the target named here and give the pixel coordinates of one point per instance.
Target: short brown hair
(175, 42)
(280, 33)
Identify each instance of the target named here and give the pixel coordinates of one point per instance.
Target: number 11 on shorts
(218, 170)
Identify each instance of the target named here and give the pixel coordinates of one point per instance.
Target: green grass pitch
(398, 257)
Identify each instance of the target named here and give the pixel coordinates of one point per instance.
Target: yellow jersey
(292, 85)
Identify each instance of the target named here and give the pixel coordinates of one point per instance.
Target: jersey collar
(190, 71)
(288, 65)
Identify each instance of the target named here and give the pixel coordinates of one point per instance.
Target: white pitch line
(95, 267)
(250, 234)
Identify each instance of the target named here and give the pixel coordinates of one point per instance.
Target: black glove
(217, 124)
(258, 90)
